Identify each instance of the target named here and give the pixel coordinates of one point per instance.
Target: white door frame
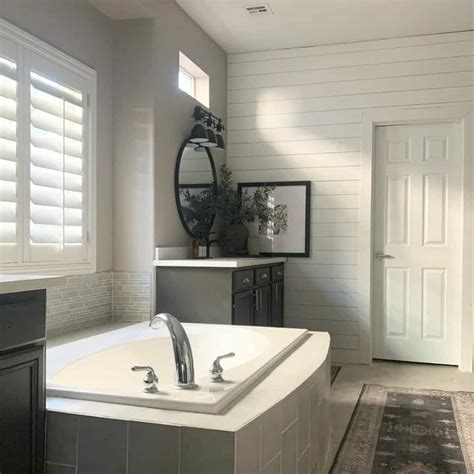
(463, 114)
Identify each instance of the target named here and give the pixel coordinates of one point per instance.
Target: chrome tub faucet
(183, 355)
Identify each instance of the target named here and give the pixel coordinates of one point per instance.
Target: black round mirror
(195, 183)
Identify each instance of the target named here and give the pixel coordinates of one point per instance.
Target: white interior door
(418, 228)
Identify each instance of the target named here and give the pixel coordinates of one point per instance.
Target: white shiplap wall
(295, 114)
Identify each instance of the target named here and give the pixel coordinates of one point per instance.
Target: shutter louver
(9, 242)
(57, 227)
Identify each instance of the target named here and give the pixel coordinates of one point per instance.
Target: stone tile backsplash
(85, 300)
(131, 296)
(98, 298)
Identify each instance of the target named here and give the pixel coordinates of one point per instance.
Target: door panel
(434, 209)
(396, 302)
(277, 304)
(22, 412)
(434, 303)
(418, 217)
(262, 306)
(243, 308)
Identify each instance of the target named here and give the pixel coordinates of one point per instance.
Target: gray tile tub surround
(83, 301)
(107, 446)
(131, 296)
(292, 437)
(98, 298)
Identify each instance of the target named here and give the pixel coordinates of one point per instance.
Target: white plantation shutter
(46, 150)
(57, 224)
(9, 216)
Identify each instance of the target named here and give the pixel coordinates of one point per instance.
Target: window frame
(201, 80)
(26, 45)
(191, 78)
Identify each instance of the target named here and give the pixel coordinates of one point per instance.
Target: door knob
(382, 256)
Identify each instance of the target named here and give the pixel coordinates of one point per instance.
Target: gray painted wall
(137, 66)
(78, 29)
(133, 146)
(174, 31)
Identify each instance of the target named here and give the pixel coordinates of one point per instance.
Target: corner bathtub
(98, 368)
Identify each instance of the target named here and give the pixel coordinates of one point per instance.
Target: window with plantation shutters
(9, 228)
(47, 120)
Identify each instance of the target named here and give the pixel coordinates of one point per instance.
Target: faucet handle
(216, 370)
(150, 380)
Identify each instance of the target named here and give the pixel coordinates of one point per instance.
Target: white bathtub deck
(290, 374)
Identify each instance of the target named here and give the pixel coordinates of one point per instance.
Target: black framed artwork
(287, 234)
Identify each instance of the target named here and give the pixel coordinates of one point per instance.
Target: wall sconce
(207, 131)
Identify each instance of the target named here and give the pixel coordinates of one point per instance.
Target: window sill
(57, 269)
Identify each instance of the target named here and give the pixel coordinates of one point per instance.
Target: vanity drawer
(242, 280)
(262, 275)
(277, 272)
(22, 318)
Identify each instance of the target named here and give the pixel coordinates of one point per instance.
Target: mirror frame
(176, 186)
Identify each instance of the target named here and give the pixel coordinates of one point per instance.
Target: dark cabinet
(249, 295)
(243, 308)
(22, 392)
(266, 308)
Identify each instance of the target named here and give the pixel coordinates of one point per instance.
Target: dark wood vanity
(249, 295)
(22, 379)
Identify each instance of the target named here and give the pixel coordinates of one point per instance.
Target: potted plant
(236, 210)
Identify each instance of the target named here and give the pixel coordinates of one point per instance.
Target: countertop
(222, 262)
(11, 283)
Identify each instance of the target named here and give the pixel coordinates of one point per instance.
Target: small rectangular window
(193, 80)
(186, 82)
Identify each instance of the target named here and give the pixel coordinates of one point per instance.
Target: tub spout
(183, 355)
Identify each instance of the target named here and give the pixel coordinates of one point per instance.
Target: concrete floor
(348, 384)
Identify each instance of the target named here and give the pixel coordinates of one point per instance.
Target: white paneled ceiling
(309, 22)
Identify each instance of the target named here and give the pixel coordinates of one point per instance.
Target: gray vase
(234, 240)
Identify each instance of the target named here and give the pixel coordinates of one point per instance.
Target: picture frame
(291, 236)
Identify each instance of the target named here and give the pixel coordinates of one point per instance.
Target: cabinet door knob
(246, 281)
(264, 276)
(279, 273)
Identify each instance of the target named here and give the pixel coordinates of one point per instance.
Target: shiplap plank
(338, 341)
(343, 356)
(342, 285)
(322, 271)
(336, 201)
(357, 101)
(329, 117)
(304, 120)
(343, 173)
(335, 145)
(323, 61)
(362, 86)
(335, 187)
(343, 328)
(352, 47)
(316, 160)
(350, 73)
(335, 215)
(335, 243)
(322, 298)
(340, 229)
(347, 257)
(334, 313)
(317, 132)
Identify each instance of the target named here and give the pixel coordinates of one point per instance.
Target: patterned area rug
(409, 431)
